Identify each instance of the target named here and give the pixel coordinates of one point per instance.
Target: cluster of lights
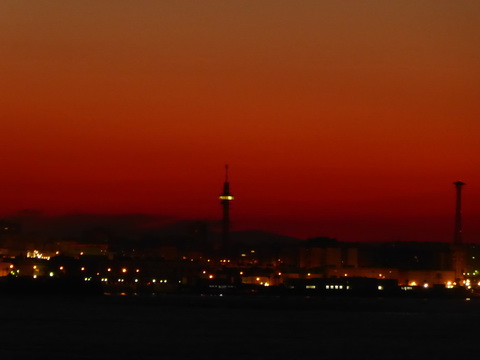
(12, 271)
(336, 287)
(448, 285)
(35, 254)
(224, 260)
(185, 258)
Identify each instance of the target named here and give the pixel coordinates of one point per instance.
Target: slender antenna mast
(225, 199)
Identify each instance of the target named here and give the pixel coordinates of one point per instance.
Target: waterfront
(191, 327)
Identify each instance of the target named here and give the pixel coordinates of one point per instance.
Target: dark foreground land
(195, 327)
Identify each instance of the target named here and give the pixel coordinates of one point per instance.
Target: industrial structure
(458, 250)
(225, 198)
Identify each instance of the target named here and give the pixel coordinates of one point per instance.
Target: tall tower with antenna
(459, 256)
(225, 199)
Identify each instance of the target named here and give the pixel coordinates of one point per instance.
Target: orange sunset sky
(348, 119)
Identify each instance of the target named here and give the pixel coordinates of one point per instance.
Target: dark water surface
(193, 327)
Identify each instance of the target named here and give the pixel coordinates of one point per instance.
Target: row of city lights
(162, 281)
(449, 284)
(410, 286)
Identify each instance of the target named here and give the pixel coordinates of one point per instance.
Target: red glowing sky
(348, 119)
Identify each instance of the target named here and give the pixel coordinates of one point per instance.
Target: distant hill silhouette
(133, 228)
